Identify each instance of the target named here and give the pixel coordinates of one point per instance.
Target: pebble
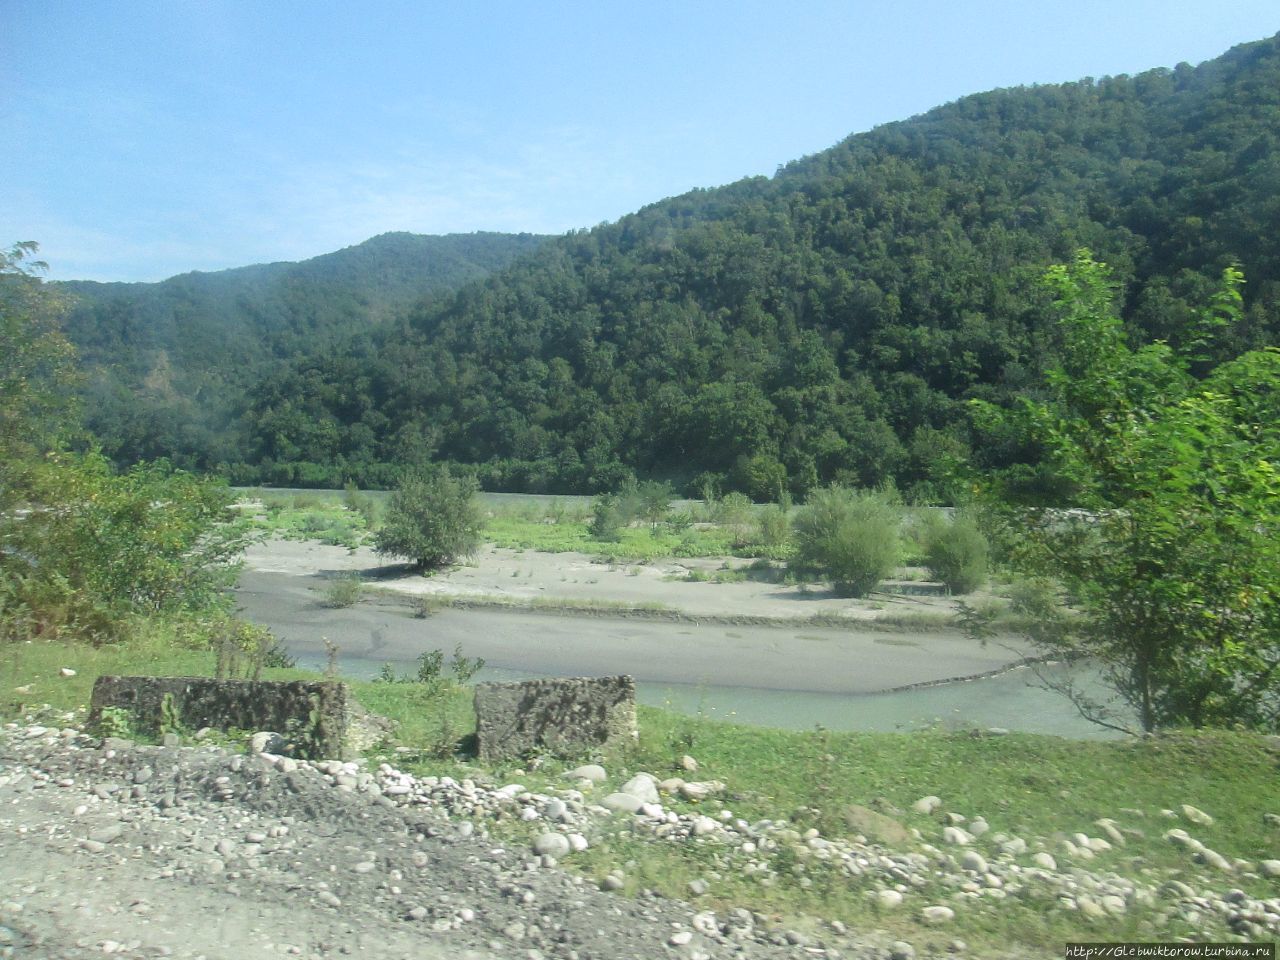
(1196, 815)
(937, 915)
(551, 844)
(889, 899)
(681, 938)
(901, 950)
(1269, 868)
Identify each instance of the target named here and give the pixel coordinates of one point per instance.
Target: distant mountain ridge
(827, 324)
(168, 361)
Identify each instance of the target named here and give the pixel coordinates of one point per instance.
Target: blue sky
(148, 139)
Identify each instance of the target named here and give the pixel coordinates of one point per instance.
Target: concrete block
(562, 716)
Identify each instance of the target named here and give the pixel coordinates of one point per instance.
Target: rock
(1196, 815)
(642, 786)
(901, 950)
(973, 861)
(703, 826)
(1112, 831)
(591, 771)
(889, 899)
(698, 887)
(1214, 859)
(266, 741)
(577, 842)
(688, 764)
(1269, 868)
(1089, 908)
(957, 836)
(551, 844)
(926, 805)
(1271, 819)
(556, 810)
(955, 819)
(1013, 846)
(108, 834)
(1182, 839)
(622, 802)
(66, 672)
(875, 826)
(979, 826)
(1045, 861)
(697, 790)
(680, 939)
(1113, 905)
(936, 915)
(611, 882)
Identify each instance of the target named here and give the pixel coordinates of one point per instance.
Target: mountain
(167, 363)
(828, 323)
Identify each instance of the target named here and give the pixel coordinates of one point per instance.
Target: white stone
(974, 861)
(926, 805)
(681, 938)
(937, 914)
(1045, 861)
(622, 802)
(591, 771)
(551, 844)
(1196, 815)
(644, 786)
(889, 899)
(1269, 868)
(957, 835)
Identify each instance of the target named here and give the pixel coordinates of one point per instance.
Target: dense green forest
(168, 364)
(828, 323)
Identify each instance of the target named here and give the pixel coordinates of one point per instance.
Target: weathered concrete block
(562, 716)
(319, 717)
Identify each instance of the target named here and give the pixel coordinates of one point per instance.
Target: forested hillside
(828, 323)
(168, 363)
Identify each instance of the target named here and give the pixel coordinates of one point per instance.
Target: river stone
(551, 845)
(1196, 815)
(1013, 846)
(901, 950)
(937, 914)
(591, 771)
(1214, 859)
(1269, 868)
(926, 805)
(1182, 839)
(979, 826)
(972, 860)
(1045, 860)
(643, 786)
(876, 826)
(622, 802)
(957, 835)
(889, 899)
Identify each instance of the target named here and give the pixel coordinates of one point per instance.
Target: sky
(146, 139)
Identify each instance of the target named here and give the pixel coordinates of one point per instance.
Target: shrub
(343, 592)
(432, 519)
(956, 553)
(607, 520)
(850, 537)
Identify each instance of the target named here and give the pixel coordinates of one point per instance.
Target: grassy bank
(1041, 789)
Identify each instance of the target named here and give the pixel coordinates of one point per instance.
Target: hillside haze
(825, 324)
(168, 363)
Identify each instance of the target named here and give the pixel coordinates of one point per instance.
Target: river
(783, 676)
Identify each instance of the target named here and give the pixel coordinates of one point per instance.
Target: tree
(1170, 556)
(431, 519)
(37, 375)
(849, 536)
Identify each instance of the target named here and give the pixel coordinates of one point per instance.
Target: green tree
(37, 375)
(1171, 557)
(956, 552)
(432, 519)
(849, 536)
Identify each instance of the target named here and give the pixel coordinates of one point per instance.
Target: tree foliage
(1170, 552)
(432, 519)
(849, 536)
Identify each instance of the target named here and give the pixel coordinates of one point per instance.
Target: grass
(1036, 787)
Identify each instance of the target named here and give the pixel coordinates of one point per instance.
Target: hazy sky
(146, 139)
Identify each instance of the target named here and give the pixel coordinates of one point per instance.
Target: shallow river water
(789, 677)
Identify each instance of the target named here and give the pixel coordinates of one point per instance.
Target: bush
(607, 520)
(850, 537)
(956, 553)
(431, 519)
(343, 592)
